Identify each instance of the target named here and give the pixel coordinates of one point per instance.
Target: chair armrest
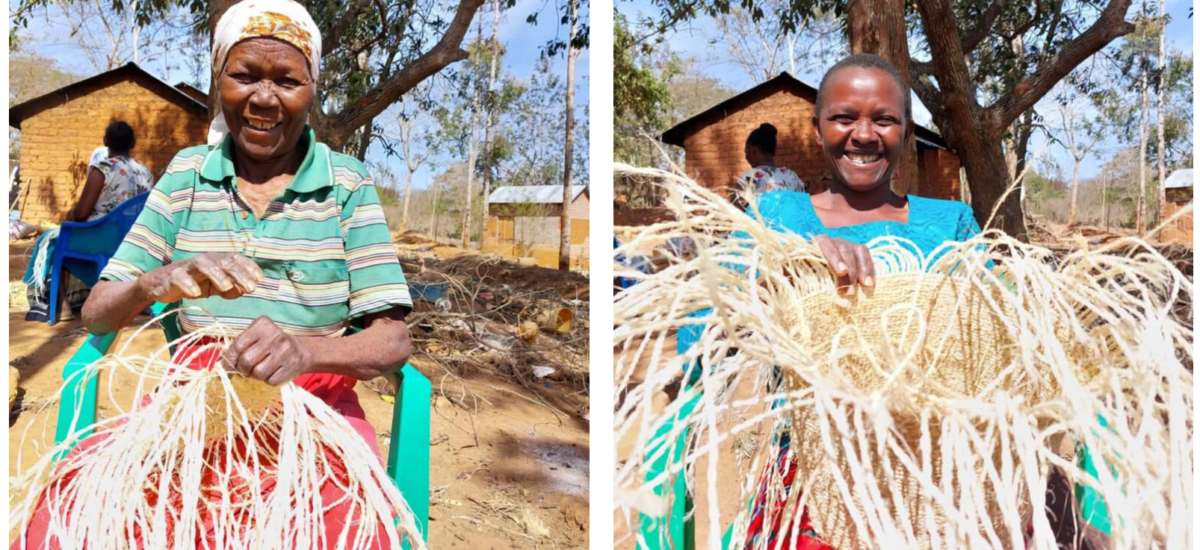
(409, 447)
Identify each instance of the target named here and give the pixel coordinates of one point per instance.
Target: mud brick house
(522, 222)
(60, 129)
(714, 141)
(1179, 194)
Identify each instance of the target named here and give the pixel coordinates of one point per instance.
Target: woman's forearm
(113, 305)
(380, 349)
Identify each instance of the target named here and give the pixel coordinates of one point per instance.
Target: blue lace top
(931, 222)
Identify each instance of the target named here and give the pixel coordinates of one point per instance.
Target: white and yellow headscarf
(281, 19)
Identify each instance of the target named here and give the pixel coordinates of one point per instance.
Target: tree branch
(447, 51)
(1109, 26)
(974, 37)
(1024, 28)
(333, 39)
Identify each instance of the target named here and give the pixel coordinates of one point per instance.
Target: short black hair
(763, 138)
(119, 137)
(868, 61)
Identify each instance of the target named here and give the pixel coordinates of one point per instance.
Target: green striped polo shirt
(323, 244)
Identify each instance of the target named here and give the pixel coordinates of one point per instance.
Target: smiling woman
(267, 232)
(863, 120)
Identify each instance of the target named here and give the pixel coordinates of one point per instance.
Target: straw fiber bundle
(210, 451)
(927, 412)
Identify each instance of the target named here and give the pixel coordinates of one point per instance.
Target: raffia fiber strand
(166, 447)
(927, 413)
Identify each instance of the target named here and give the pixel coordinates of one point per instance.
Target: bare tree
(573, 51)
(1162, 90)
(413, 160)
(490, 117)
(1080, 137)
(476, 108)
(764, 47)
(1144, 85)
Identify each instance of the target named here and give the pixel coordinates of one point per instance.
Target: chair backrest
(102, 236)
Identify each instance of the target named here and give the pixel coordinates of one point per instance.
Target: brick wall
(939, 175)
(715, 153)
(57, 142)
(579, 207)
(1181, 230)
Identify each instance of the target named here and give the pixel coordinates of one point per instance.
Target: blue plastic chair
(410, 417)
(85, 247)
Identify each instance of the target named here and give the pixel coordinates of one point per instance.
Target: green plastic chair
(410, 417)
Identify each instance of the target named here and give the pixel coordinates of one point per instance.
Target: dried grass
(929, 412)
(164, 448)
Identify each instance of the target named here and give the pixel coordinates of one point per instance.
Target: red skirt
(333, 389)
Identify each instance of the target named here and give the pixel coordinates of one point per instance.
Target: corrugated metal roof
(533, 194)
(1181, 178)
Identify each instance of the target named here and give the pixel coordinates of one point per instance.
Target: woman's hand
(265, 352)
(225, 274)
(850, 262)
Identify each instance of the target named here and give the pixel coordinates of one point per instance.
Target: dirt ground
(509, 452)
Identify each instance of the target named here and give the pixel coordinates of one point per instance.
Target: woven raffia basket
(915, 340)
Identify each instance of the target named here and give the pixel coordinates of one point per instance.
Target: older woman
(270, 233)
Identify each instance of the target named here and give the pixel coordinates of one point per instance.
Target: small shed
(524, 222)
(60, 129)
(714, 141)
(1179, 193)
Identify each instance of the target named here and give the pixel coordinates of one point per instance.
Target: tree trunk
(216, 8)
(364, 141)
(1162, 86)
(408, 174)
(490, 116)
(436, 190)
(1074, 192)
(965, 127)
(1141, 209)
(877, 26)
(1104, 198)
(472, 151)
(564, 224)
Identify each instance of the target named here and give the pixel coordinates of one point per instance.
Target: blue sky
(694, 39)
(523, 42)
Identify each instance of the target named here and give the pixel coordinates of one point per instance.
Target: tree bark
(564, 245)
(1074, 192)
(877, 26)
(976, 139)
(216, 8)
(436, 191)
(408, 174)
(976, 133)
(1141, 210)
(1104, 198)
(1162, 86)
(489, 114)
(364, 141)
(471, 152)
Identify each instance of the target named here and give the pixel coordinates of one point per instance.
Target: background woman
(112, 178)
(764, 175)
